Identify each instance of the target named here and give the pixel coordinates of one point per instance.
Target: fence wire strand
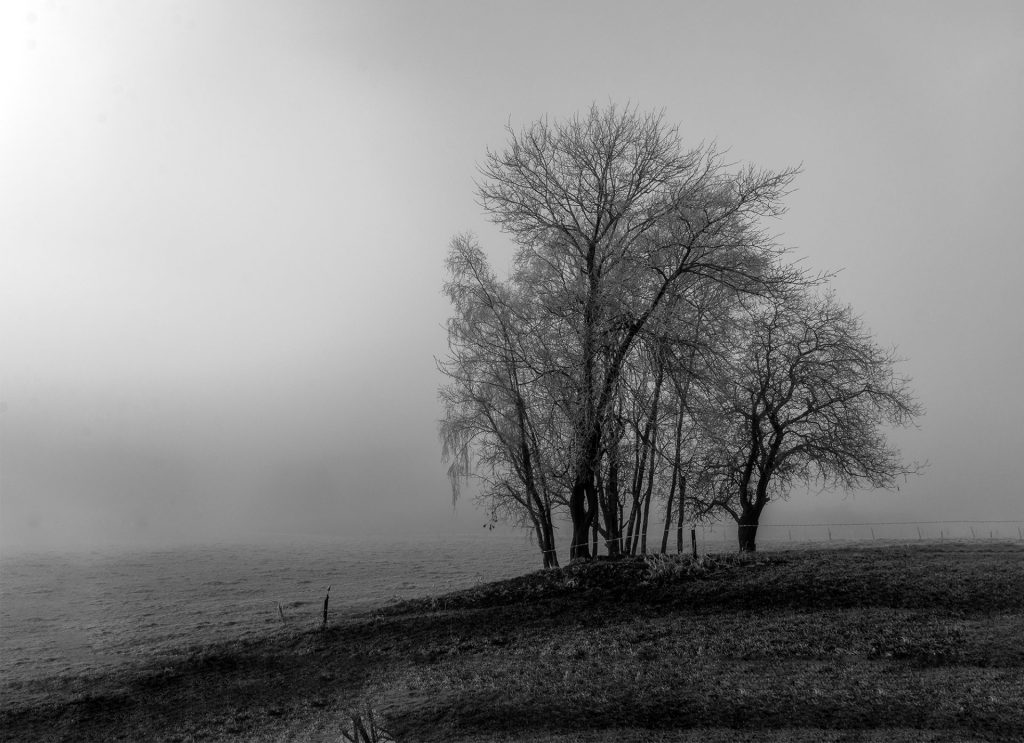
(717, 536)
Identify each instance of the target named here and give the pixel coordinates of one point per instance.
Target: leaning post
(327, 598)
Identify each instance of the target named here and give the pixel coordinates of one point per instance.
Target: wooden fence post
(327, 598)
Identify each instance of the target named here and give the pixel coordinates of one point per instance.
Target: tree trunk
(633, 527)
(551, 554)
(668, 514)
(647, 516)
(539, 506)
(648, 492)
(612, 511)
(584, 494)
(643, 527)
(675, 479)
(748, 529)
(541, 538)
(627, 540)
(653, 446)
(579, 547)
(682, 504)
(583, 500)
(627, 545)
(622, 534)
(547, 556)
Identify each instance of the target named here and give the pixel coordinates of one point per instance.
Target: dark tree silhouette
(611, 218)
(806, 397)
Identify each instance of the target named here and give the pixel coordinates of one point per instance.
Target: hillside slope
(908, 643)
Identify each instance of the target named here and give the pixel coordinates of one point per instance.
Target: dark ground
(905, 643)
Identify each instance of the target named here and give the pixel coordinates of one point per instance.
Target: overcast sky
(223, 228)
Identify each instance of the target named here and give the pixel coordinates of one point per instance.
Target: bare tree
(610, 217)
(494, 406)
(805, 398)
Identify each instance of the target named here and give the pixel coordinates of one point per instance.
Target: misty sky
(223, 228)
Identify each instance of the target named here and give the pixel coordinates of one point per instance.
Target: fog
(223, 228)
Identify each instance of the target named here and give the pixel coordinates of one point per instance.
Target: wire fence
(718, 537)
(722, 536)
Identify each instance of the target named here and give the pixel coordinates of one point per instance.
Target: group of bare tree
(651, 345)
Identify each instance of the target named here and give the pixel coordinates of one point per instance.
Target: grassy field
(906, 643)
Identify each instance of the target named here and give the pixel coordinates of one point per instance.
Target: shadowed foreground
(922, 643)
